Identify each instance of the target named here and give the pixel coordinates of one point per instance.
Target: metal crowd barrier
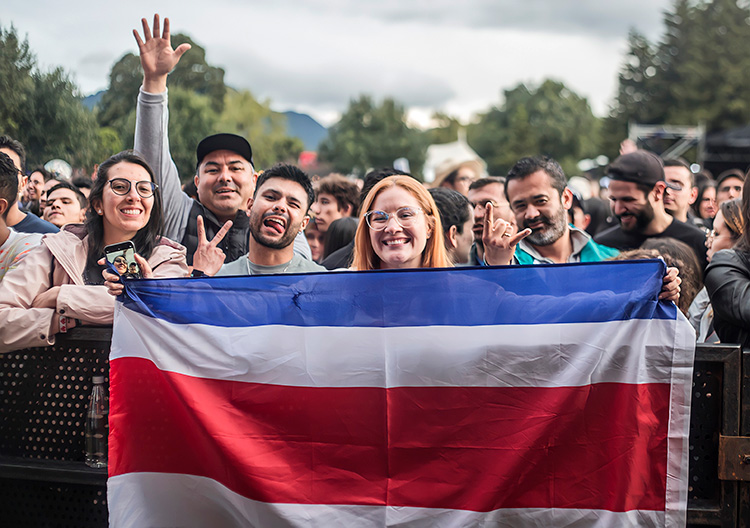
(44, 395)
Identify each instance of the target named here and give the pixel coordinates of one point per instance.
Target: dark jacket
(728, 284)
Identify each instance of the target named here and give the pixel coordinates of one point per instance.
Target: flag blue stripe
(518, 295)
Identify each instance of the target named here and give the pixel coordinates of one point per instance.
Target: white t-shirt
(15, 248)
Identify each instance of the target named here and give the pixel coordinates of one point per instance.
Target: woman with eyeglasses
(400, 228)
(60, 284)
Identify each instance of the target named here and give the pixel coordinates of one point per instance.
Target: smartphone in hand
(122, 257)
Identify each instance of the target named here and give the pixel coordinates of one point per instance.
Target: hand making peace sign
(208, 257)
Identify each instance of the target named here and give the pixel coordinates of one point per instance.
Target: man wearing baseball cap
(636, 191)
(225, 176)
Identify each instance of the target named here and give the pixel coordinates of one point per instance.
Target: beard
(642, 219)
(287, 238)
(552, 229)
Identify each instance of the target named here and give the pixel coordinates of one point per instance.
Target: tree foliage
(16, 65)
(372, 136)
(698, 72)
(191, 118)
(200, 104)
(264, 129)
(549, 120)
(43, 110)
(445, 130)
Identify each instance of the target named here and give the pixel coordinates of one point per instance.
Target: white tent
(447, 157)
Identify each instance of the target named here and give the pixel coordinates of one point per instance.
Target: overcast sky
(314, 56)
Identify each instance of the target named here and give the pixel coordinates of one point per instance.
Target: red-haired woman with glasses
(60, 284)
(400, 228)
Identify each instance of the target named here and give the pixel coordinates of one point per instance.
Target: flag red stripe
(600, 446)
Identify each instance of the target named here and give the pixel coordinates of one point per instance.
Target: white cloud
(316, 55)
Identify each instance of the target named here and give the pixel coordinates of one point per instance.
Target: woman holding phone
(60, 284)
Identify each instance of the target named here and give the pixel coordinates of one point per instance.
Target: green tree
(16, 65)
(264, 128)
(698, 72)
(118, 102)
(191, 118)
(372, 136)
(43, 110)
(636, 89)
(549, 119)
(117, 106)
(56, 124)
(445, 131)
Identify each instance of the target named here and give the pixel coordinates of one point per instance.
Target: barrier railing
(44, 395)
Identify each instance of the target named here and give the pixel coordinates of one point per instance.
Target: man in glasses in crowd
(481, 192)
(681, 192)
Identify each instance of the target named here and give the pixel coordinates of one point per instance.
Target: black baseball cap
(641, 167)
(231, 142)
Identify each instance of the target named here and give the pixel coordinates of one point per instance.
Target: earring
(98, 211)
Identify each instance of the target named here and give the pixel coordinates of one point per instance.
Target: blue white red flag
(519, 396)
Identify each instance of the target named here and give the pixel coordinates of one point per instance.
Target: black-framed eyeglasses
(121, 187)
(405, 217)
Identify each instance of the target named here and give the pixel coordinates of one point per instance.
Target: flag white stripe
(140, 500)
(678, 453)
(529, 355)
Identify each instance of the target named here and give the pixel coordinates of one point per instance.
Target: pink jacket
(60, 260)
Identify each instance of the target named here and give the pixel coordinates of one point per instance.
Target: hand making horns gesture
(157, 56)
(499, 238)
(208, 257)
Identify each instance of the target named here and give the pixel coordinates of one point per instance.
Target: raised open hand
(157, 56)
(208, 257)
(499, 238)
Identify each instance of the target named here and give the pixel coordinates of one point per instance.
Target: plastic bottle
(97, 425)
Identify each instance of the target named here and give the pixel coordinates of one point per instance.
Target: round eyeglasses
(405, 217)
(121, 187)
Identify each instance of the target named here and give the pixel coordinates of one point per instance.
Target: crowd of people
(242, 221)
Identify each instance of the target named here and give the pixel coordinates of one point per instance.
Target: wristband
(196, 274)
(63, 324)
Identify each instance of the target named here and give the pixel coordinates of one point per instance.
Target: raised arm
(152, 120)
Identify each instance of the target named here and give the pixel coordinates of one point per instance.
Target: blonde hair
(434, 254)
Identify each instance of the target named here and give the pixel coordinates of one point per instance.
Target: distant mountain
(297, 125)
(306, 128)
(90, 101)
